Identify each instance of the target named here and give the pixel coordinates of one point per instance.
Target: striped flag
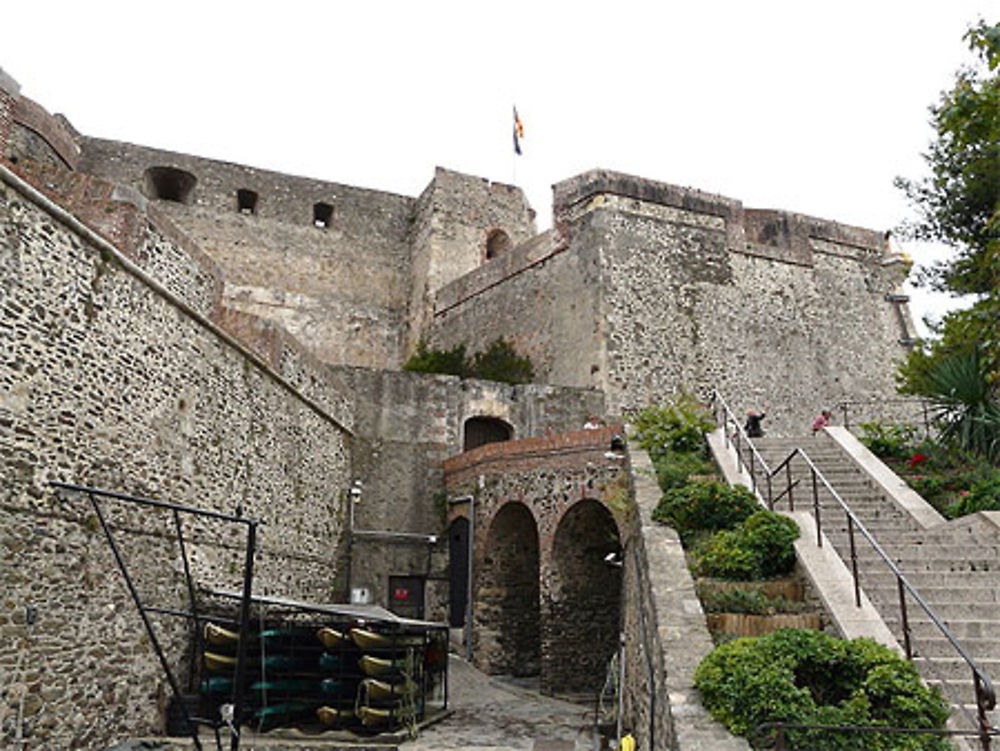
(518, 132)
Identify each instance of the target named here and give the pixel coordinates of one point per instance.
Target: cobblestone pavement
(491, 714)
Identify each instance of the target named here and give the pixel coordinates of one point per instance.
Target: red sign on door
(400, 593)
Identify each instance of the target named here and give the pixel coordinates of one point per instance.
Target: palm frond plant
(965, 406)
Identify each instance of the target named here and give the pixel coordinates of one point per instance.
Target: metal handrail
(844, 405)
(985, 694)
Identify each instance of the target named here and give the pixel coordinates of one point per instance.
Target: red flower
(916, 459)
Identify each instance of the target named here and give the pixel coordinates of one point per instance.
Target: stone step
(934, 595)
(961, 629)
(954, 669)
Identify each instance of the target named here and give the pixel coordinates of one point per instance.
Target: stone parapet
(531, 253)
(9, 90)
(49, 128)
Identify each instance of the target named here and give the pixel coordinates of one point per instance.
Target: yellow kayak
(217, 663)
(378, 667)
(332, 716)
(220, 636)
(373, 717)
(330, 637)
(371, 640)
(382, 690)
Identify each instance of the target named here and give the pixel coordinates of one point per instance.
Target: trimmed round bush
(700, 506)
(807, 677)
(760, 547)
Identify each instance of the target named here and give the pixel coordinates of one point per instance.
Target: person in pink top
(822, 420)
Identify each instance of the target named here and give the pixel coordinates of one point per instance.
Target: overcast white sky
(805, 106)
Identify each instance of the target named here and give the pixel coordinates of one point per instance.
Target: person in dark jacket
(752, 426)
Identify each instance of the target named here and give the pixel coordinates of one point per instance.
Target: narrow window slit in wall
(246, 201)
(322, 214)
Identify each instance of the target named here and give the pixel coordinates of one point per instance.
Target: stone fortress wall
(644, 288)
(217, 334)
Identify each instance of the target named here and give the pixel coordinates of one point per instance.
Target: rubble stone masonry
(106, 381)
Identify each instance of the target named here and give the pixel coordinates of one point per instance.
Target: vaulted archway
(581, 602)
(507, 601)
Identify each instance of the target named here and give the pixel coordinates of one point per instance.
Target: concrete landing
(490, 714)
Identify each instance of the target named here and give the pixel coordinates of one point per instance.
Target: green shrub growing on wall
(807, 677)
(760, 547)
(677, 426)
(673, 469)
(427, 360)
(704, 506)
(498, 362)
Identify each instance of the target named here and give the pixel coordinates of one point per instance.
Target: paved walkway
(491, 714)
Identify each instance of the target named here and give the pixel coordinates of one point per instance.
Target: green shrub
(803, 676)
(676, 426)
(499, 362)
(760, 547)
(984, 495)
(427, 360)
(699, 506)
(751, 601)
(673, 469)
(888, 441)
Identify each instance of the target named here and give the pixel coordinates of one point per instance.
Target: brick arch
(506, 612)
(580, 602)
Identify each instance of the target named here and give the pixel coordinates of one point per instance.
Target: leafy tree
(959, 204)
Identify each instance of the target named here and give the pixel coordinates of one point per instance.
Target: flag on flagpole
(518, 132)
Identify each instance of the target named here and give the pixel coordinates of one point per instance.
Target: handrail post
(819, 527)
(984, 723)
(753, 470)
(905, 620)
(770, 493)
(854, 561)
(788, 479)
(847, 423)
(779, 744)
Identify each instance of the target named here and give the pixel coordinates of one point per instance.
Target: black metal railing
(775, 734)
(913, 411)
(755, 464)
(96, 496)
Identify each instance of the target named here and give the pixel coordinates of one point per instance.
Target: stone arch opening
(246, 201)
(506, 608)
(481, 430)
(497, 243)
(169, 184)
(581, 606)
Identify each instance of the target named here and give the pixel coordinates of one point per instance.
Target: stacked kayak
(340, 675)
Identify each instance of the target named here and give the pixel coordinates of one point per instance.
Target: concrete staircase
(954, 566)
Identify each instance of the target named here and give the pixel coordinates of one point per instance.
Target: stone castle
(186, 329)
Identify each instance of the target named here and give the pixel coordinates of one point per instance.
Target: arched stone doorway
(506, 608)
(481, 430)
(581, 603)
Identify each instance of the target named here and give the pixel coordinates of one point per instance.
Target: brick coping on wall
(538, 447)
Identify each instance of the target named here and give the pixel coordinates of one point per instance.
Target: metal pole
(854, 561)
(196, 645)
(984, 723)
(468, 584)
(906, 622)
(819, 529)
(241, 646)
(621, 680)
(788, 479)
(145, 618)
